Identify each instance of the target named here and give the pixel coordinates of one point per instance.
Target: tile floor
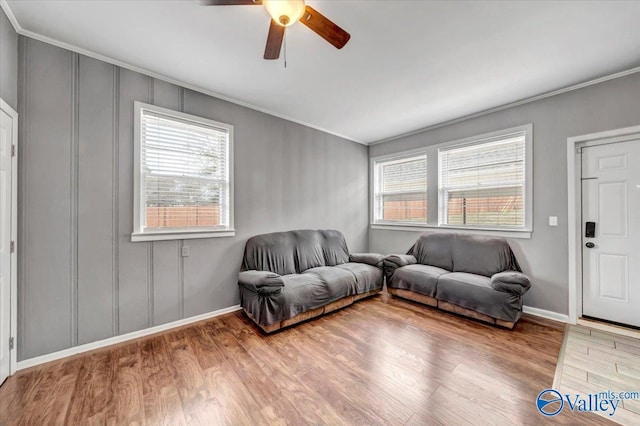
(592, 361)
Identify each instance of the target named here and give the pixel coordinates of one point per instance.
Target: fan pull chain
(285, 49)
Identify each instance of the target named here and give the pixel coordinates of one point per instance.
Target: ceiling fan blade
(274, 41)
(230, 2)
(324, 27)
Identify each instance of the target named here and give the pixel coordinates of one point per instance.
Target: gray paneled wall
(80, 277)
(610, 105)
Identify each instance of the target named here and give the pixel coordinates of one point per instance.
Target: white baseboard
(21, 365)
(31, 362)
(545, 314)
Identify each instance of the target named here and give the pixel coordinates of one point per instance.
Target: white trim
(543, 313)
(12, 18)
(528, 168)
(472, 231)
(512, 105)
(73, 48)
(13, 290)
(182, 235)
(31, 362)
(397, 157)
(141, 234)
(574, 210)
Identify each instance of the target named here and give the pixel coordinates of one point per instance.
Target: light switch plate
(553, 220)
(185, 251)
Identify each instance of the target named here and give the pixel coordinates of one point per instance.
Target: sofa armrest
(373, 259)
(511, 282)
(399, 260)
(261, 282)
(395, 261)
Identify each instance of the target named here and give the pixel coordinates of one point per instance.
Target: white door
(611, 258)
(6, 139)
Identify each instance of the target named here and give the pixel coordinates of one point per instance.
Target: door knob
(590, 245)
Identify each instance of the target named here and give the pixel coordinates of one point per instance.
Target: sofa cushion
(308, 249)
(293, 252)
(271, 252)
(339, 282)
(367, 277)
(434, 249)
(422, 279)
(482, 255)
(474, 292)
(334, 247)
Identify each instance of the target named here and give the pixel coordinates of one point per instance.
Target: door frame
(574, 196)
(13, 290)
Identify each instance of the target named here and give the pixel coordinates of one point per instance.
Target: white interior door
(611, 257)
(6, 141)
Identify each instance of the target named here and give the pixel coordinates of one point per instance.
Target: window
(183, 176)
(483, 183)
(400, 189)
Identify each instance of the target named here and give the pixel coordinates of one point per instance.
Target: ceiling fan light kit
(285, 13)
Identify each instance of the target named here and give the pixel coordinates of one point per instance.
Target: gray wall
(610, 105)
(8, 62)
(81, 279)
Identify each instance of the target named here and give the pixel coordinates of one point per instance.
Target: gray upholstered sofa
(288, 277)
(469, 275)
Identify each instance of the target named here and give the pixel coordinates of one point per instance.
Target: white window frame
(141, 234)
(375, 185)
(434, 219)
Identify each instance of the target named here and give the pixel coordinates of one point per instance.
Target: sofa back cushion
(483, 255)
(334, 247)
(308, 250)
(293, 252)
(465, 253)
(435, 249)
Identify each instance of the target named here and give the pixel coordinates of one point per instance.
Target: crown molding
(16, 25)
(73, 48)
(511, 105)
(12, 18)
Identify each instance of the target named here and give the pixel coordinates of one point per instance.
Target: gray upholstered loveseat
(469, 275)
(288, 277)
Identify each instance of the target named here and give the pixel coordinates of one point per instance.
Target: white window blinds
(401, 189)
(184, 173)
(483, 183)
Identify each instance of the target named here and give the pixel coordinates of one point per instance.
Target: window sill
(180, 235)
(412, 227)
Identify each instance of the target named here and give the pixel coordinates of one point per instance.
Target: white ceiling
(408, 65)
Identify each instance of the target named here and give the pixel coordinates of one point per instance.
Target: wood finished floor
(379, 361)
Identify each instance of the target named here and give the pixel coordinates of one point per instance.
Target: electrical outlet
(185, 251)
(553, 220)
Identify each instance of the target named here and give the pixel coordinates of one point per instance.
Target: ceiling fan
(285, 13)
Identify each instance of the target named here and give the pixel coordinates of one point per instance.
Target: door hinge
(11, 343)
(12, 246)
(13, 150)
